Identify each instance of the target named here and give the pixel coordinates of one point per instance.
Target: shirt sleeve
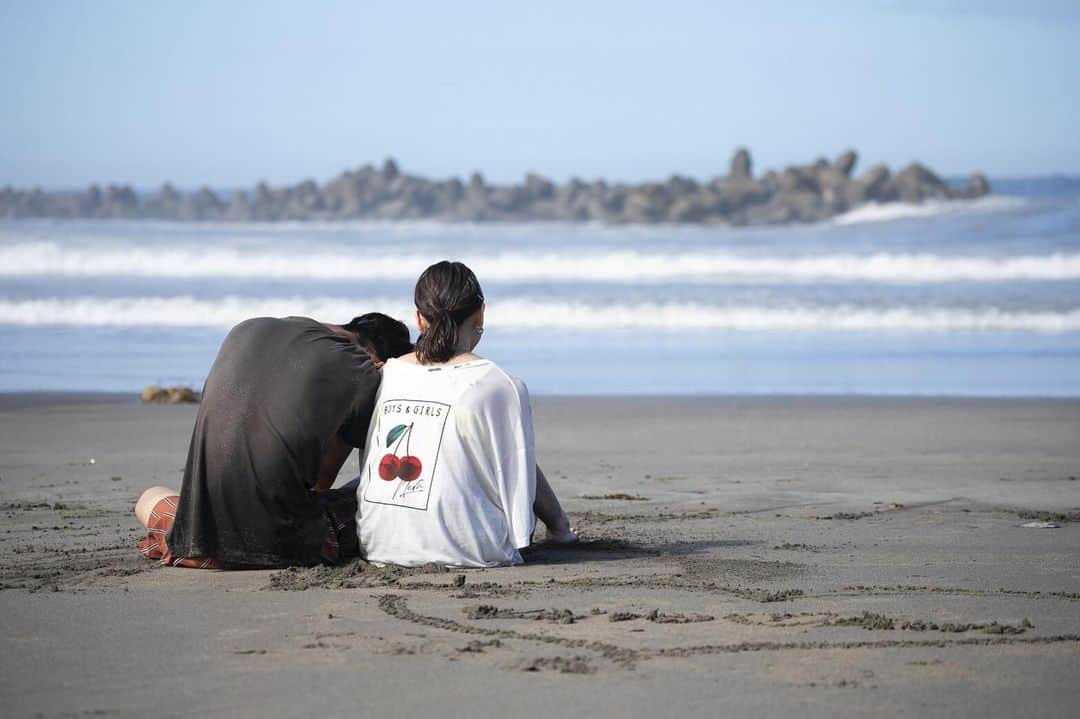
(506, 419)
(354, 429)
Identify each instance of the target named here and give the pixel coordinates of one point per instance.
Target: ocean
(962, 298)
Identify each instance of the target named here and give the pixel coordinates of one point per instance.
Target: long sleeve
(516, 473)
(497, 431)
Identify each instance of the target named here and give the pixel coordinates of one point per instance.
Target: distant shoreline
(61, 398)
(58, 399)
(798, 194)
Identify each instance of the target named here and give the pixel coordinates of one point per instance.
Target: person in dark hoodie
(284, 405)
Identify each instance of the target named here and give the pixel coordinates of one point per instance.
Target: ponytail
(446, 295)
(437, 342)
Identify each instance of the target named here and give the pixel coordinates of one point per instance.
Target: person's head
(449, 312)
(381, 335)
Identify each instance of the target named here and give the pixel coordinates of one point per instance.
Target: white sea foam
(534, 313)
(50, 259)
(875, 212)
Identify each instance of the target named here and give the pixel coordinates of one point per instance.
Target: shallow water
(972, 298)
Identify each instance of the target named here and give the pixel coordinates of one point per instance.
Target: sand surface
(769, 557)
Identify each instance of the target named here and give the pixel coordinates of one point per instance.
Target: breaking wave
(532, 313)
(50, 259)
(887, 212)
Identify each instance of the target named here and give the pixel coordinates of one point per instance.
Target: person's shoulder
(497, 384)
(269, 324)
(394, 369)
(254, 322)
(510, 380)
(249, 328)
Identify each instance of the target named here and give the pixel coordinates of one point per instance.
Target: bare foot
(149, 498)
(561, 533)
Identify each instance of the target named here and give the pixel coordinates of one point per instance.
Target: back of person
(277, 393)
(449, 475)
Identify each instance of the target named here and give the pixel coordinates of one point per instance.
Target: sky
(229, 93)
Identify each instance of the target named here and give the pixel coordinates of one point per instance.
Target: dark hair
(447, 294)
(384, 335)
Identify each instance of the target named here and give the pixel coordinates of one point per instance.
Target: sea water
(954, 298)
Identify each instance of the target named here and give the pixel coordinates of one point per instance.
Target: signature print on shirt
(409, 436)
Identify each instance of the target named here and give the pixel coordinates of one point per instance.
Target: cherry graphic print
(410, 468)
(388, 466)
(406, 468)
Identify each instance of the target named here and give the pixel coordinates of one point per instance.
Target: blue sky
(227, 93)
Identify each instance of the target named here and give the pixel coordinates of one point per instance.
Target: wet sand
(802, 557)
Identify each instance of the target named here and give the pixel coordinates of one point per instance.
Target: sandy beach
(740, 556)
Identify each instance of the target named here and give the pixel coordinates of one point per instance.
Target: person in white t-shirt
(450, 474)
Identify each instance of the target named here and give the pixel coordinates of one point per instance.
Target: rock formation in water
(806, 193)
(168, 395)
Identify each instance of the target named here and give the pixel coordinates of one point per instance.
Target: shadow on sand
(607, 550)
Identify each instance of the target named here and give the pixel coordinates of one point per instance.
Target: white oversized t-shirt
(449, 471)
